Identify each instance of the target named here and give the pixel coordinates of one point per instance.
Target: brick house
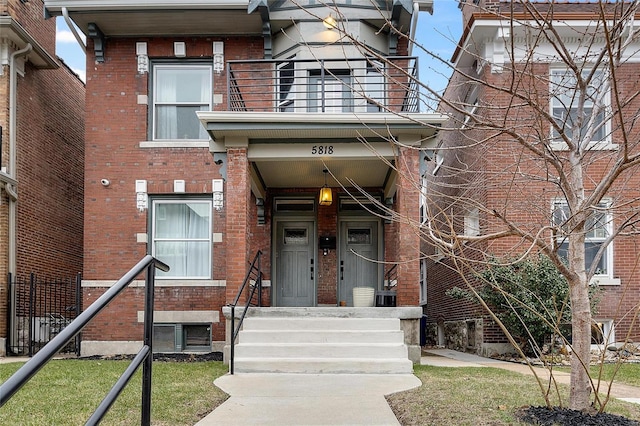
(479, 181)
(210, 131)
(42, 155)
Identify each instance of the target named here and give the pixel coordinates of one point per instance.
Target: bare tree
(541, 151)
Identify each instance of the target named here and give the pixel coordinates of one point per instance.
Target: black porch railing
(324, 85)
(145, 355)
(252, 289)
(39, 309)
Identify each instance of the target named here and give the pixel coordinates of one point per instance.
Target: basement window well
(181, 338)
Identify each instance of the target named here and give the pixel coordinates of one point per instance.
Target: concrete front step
(320, 336)
(320, 323)
(322, 344)
(322, 350)
(324, 366)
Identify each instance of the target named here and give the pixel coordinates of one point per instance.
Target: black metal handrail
(391, 277)
(254, 273)
(145, 355)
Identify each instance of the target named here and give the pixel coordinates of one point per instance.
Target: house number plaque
(322, 150)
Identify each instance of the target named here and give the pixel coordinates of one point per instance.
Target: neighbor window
(178, 92)
(564, 105)
(597, 228)
(181, 237)
(472, 222)
(423, 199)
(423, 281)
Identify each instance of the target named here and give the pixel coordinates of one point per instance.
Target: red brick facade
(506, 179)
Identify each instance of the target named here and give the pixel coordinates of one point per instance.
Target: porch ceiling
(308, 174)
(122, 18)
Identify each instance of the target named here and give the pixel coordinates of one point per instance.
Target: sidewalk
(308, 399)
(451, 358)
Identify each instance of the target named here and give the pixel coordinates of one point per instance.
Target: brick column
(408, 240)
(237, 196)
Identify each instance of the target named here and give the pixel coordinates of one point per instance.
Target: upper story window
(179, 90)
(597, 229)
(565, 103)
(181, 237)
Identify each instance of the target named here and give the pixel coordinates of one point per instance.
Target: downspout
(414, 26)
(12, 189)
(72, 28)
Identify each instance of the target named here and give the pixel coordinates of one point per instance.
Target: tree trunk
(579, 396)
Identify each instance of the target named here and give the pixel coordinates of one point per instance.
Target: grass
(628, 374)
(67, 392)
(476, 396)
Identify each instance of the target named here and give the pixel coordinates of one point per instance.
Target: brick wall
(50, 172)
(498, 174)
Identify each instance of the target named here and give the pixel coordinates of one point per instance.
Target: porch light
(329, 22)
(325, 192)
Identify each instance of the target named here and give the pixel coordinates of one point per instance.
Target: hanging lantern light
(326, 197)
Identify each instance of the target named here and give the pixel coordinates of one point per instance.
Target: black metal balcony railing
(328, 85)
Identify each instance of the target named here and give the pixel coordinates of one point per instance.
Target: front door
(359, 253)
(295, 269)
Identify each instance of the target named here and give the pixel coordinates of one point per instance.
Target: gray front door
(358, 254)
(295, 269)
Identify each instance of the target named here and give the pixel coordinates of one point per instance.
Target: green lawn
(629, 374)
(476, 396)
(67, 392)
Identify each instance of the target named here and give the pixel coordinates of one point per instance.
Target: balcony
(324, 86)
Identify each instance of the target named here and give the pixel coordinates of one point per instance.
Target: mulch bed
(566, 417)
(170, 357)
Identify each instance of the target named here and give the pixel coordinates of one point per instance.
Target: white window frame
(423, 199)
(285, 71)
(208, 105)
(606, 278)
(472, 222)
(555, 103)
(208, 239)
(607, 326)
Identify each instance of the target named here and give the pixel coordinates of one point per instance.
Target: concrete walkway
(308, 399)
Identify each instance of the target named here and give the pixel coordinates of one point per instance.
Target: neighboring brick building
(207, 132)
(42, 134)
(481, 174)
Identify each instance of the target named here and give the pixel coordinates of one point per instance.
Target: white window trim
(184, 200)
(602, 145)
(609, 333)
(423, 200)
(599, 279)
(176, 65)
(472, 222)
